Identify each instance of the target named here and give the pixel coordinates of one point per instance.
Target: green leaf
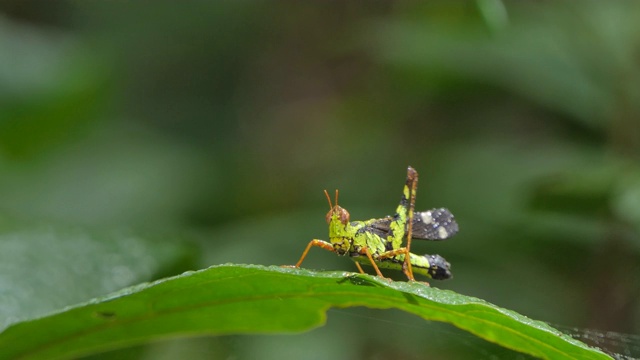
(242, 299)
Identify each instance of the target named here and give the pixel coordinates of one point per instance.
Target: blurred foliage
(217, 125)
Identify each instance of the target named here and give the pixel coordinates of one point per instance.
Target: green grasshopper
(378, 242)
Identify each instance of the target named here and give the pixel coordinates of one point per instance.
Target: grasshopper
(379, 242)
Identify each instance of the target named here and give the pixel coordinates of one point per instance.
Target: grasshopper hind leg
(412, 183)
(434, 266)
(431, 266)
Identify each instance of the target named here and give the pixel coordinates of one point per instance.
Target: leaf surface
(249, 299)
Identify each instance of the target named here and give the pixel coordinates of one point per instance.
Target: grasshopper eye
(343, 214)
(328, 217)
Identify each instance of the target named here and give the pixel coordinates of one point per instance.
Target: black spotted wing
(434, 224)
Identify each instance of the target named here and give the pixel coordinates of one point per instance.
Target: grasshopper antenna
(336, 197)
(326, 193)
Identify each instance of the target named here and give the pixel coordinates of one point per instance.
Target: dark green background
(138, 140)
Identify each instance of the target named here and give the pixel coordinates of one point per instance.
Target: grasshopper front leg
(329, 247)
(317, 243)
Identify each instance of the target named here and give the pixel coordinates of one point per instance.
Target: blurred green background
(139, 140)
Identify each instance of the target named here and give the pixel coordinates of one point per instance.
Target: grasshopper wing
(434, 224)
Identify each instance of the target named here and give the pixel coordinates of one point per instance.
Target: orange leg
(318, 243)
(373, 263)
(406, 267)
(412, 175)
(392, 253)
(359, 268)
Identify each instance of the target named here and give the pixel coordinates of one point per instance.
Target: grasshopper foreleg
(317, 243)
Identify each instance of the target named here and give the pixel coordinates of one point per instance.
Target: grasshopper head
(336, 213)
(339, 228)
